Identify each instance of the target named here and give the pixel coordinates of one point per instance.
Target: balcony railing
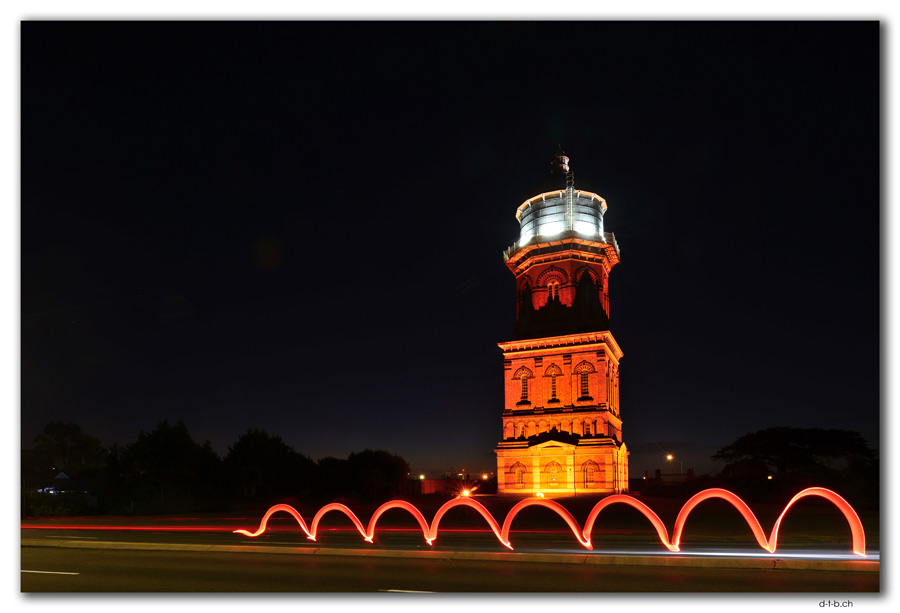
(607, 237)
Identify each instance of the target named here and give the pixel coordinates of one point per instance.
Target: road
(52, 569)
(202, 554)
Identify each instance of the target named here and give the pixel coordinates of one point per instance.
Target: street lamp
(670, 457)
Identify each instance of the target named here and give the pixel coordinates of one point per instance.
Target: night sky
(299, 226)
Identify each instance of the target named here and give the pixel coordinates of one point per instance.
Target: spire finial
(560, 160)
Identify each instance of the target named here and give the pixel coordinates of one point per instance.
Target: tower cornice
(521, 257)
(583, 340)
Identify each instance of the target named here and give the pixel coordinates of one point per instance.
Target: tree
(166, 470)
(783, 450)
(63, 447)
(66, 447)
(802, 457)
(265, 467)
(366, 476)
(378, 474)
(333, 479)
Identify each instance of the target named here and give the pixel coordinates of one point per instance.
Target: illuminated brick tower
(562, 433)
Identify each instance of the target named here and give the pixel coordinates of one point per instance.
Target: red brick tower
(562, 432)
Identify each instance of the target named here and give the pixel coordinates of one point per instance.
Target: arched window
(551, 476)
(553, 371)
(589, 473)
(523, 374)
(553, 290)
(583, 369)
(518, 470)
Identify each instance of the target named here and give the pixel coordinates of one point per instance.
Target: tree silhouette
(378, 475)
(63, 447)
(167, 471)
(265, 467)
(802, 457)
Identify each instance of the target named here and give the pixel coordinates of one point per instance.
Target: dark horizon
(298, 226)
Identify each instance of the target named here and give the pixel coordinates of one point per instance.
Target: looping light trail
(583, 536)
(856, 527)
(552, 505)
(637, 504)
(272, 511)
(336, 506)
(739, 504)
(465, 501)
(399, 504)
(771, 544)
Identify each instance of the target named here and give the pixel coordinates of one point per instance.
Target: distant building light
(769, 477)
(421, 476)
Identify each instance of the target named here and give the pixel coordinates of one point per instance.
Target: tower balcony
(572, 237)
(541, 248)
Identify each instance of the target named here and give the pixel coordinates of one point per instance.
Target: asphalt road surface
(52, 569)
(201, 554)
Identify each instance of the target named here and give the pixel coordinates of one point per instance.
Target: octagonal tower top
(559, 211)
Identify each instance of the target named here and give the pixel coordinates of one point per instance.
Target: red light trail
(582, 536)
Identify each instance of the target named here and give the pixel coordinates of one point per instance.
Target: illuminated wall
(561, 424)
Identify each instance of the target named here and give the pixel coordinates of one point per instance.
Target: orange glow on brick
(583, 536)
